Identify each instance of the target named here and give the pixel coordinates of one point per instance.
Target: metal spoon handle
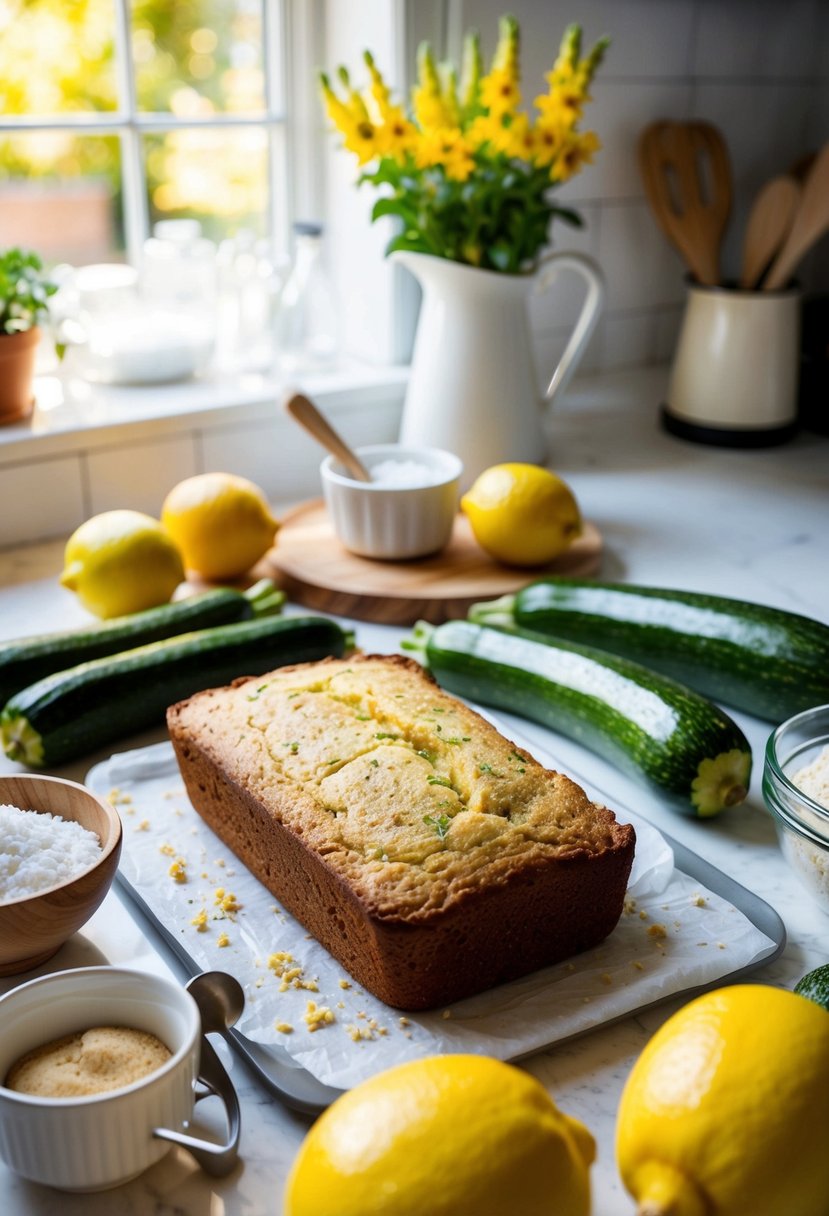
(308, 416)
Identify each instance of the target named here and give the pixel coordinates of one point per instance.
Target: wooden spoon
(769, 223)
(811, 221)
(687, 178)
(308, 416)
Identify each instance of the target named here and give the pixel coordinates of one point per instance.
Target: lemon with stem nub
(221, 522)
(726, 1111)
(456, 1135)
(120, 562)
(521, 514)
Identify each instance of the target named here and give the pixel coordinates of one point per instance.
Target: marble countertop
(749, 524)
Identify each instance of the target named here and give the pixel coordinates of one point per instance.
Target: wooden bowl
(34, 927)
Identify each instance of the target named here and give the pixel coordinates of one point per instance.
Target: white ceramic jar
(95, 1142)
(394, 518)
(734, 376)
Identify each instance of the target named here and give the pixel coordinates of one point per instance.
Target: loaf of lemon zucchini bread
(432, 857)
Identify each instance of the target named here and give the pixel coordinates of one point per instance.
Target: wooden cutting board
(316, 571)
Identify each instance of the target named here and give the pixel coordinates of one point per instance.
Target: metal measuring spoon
(220, 1000)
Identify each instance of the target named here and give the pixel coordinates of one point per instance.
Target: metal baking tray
(301, 1091)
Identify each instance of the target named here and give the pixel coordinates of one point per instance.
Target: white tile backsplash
(759, 39)
(41, 498)
(641, 268)
(668, 323)
(139, 476)
(629, 339)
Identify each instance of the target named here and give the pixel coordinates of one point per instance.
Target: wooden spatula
(811, 221)
(687, 177)
(769, 223)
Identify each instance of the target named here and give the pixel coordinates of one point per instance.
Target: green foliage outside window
(192, 58)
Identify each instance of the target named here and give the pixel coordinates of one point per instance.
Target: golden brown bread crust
(428, 854)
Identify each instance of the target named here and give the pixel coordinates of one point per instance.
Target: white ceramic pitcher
(473, 388)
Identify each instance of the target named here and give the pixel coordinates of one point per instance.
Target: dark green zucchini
(25, 660)
(651, 727)
(763, 660)
(72, 712)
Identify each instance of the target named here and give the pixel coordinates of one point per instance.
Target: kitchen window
(115, 114)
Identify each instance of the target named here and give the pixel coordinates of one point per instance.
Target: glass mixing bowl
(802, 822)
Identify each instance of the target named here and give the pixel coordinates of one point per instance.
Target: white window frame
(288, 58)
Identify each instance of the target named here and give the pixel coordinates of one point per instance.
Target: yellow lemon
(121, 562)
(521, 514)
(221, 523)
(726, 1111)
(457, 1135)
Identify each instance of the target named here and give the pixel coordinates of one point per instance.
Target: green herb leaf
(440, 823)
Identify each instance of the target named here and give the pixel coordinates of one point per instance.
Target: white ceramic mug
(98, 1141)
(734, 376)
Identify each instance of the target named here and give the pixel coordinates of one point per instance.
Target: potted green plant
(24, 306)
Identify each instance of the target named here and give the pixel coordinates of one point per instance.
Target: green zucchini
(762, 660)
(72, 712)
(26, 660)
(814, 985)
(651, 727)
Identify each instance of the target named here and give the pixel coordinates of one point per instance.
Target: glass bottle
(307, 325)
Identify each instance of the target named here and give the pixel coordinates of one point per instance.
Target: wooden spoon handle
(769, 222)
(308, 416)
(811, 221)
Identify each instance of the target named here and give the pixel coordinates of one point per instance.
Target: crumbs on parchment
(290, 972)
(317, 1016)
(178, 870)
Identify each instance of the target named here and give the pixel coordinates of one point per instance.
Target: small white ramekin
(393, 522)
(95, 1142)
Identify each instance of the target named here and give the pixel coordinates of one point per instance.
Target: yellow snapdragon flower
(507, 51)
(430, 109)
(336, 109)
(522, 138)
(448, 148)
(500, 93)
(355, 103)
(549, 140)
(576, 151)
(396, 137)
(488, 130)
(563, 104)
(470, 85)
(360, 135)
(379, 88)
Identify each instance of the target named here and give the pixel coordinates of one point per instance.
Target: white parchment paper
(674, 935)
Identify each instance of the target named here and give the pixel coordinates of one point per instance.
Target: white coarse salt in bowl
(407, 509)
(48, 893)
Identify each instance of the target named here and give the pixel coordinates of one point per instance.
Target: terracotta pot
(17, 368)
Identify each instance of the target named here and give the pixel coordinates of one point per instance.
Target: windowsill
(72, 413)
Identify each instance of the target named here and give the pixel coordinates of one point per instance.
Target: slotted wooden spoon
(769, 223)
(811, 221)
(687, 178)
